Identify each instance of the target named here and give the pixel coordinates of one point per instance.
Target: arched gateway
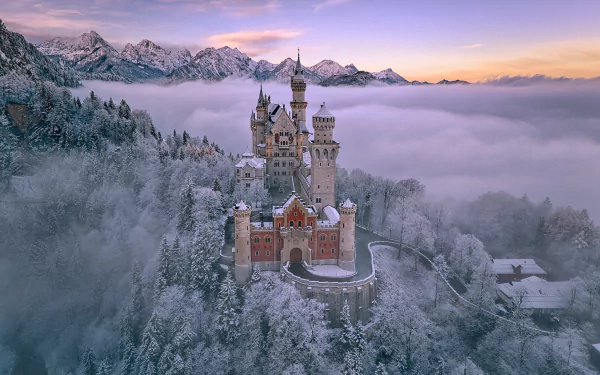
(296, 255)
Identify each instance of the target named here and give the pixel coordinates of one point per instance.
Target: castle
(306, 228)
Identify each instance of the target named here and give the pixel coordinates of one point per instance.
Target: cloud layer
(542, 139)
(253, 43)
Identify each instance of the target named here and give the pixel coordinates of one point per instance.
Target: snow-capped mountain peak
(389, 76)
(151, 54)
(328, 68)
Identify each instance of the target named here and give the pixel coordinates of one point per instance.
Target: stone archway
(296, 255)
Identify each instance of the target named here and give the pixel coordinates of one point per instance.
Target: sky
(534, 137)
(423, 40)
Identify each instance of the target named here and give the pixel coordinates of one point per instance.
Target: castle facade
(307, 228)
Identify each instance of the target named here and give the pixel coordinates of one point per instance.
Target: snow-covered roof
(249, 159)
(306, 158)
(538, 293)
(508, 267)
(241, 206)
(347, 203)
(332, 214)
(323, 112)
(279, 210)
(596, 346)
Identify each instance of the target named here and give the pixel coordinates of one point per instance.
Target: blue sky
(425, 40)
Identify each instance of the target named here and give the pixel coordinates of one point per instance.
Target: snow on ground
(399, 276)
(329, 270)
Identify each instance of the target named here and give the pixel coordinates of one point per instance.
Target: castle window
(268, 253)
(295, 214)
(284, 173)
(278, 225)
(322, 237)
(247, 175)
(247, 184)
(299, 224)
(291, 223)
(343, 225)
(256, 239)
(256, 253)
(291, 162)
(268, 239)
(333, 237)
(322, 251)
(283, 163)
(279, 240)
(332, 251)
(238, 171)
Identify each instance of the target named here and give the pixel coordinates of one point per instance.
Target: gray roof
(507, 267)
(302, 127)
(538, 293)
(323, 112)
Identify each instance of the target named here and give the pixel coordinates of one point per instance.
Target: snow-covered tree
(380, 369)
(88, 362)
(162, 273)
(203, 274)
(228, 310)
(442, 271)
(151, 347)
(352, 364)
(187, 208)
(467, 255)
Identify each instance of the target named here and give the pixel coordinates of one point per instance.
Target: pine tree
(137, 301)
(380, 370)
(105, 367)
(186, 138)
(111, 104)
(203, 260)
(162, 273)
(176, 264)
(227, 310)
(88, 362)
(151, 348)
(124, 110)
(187, 208)
(348, 337)
(181, 155)
(217, 186)
(352, 363)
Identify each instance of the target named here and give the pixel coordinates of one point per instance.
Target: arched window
(256, 239)
(299, 223)
(322, 251)
(318, 154)
(291, 223)
(256, 253)
(325, 154)
(268, 240)
(332, 251)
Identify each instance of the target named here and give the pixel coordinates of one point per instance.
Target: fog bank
(460, 141)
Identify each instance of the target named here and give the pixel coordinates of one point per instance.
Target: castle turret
(298, 84)
(243, 265)
(347, 222)
(323, 151)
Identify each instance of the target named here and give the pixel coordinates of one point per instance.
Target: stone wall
(359, 294)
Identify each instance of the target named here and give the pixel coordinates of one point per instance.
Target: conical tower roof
(298, 71)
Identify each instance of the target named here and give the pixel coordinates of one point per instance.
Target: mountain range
(146, 61)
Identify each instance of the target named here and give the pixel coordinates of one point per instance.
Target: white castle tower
(243, 263)
(347, 212)
(323, 152)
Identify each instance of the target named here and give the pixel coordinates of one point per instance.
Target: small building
(509, 270)
(536, 294)
(595, 355)
(250, 171)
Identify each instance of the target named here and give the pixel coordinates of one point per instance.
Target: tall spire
(261, 96)
(298, 65)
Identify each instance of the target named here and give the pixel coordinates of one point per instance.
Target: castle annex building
(307, 228)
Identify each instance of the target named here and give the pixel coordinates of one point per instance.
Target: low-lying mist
(460, 141)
